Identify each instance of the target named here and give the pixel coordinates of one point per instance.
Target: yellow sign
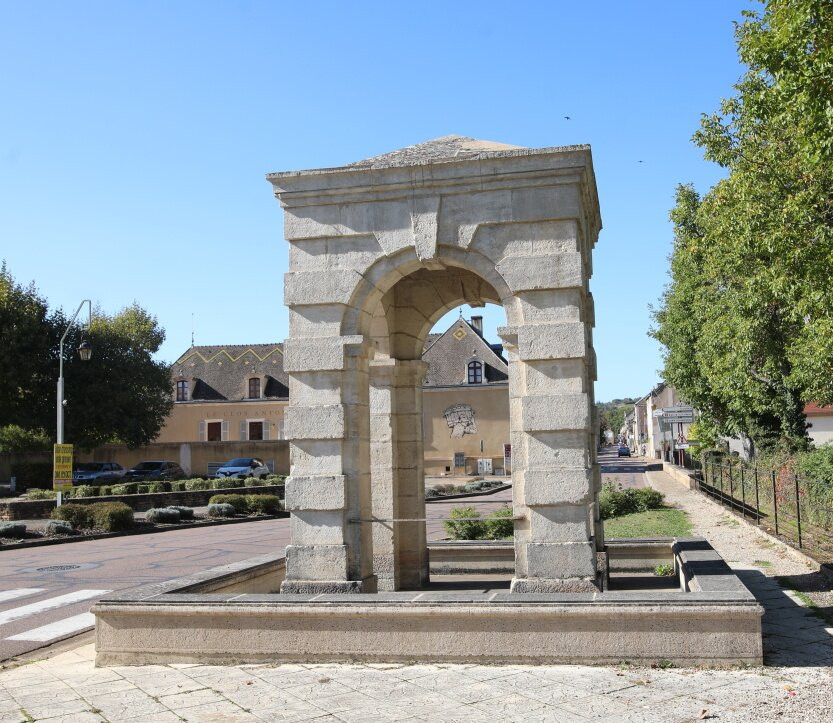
(62, 464)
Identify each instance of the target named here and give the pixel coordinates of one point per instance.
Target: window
(214, 431)
(182, 391)
(256, 430)
(254, 388)
(475, 372)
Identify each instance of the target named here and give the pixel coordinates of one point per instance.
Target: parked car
(624, 451)
(86, 473)
(155, 470)
(243, 467)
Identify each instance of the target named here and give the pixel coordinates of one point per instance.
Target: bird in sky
(566, 117)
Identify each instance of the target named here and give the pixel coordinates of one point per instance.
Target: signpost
(62, 467)
(507, 459)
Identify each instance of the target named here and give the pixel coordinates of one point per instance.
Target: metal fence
(791, 506)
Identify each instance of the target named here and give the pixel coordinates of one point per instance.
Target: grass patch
(762, 563)
(664, 522)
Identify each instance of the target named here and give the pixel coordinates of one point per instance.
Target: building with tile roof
(238, 393)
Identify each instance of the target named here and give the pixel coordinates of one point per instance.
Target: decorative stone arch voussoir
(456, 220)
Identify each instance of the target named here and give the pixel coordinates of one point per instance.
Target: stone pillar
(328, 490)
(400, 552)
(556, 478)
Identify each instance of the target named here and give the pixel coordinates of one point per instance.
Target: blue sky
(134, 138)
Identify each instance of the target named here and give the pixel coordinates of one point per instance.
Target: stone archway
(378, 250)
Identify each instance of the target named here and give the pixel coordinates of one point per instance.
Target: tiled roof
(222, 372)
(450, 353)
(813, 408)
(436, 149)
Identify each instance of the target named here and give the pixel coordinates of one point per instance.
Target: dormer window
(475, 370)
(182, 390)
(254, 388)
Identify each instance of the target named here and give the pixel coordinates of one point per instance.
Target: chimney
(477, 323)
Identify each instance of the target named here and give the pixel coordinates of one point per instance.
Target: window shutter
(266, 426)
(224, 431)
(201, 431)
(243, 431)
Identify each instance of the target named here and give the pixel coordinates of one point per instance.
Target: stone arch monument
(379, 251)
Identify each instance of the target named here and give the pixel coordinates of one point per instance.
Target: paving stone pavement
(796, 685)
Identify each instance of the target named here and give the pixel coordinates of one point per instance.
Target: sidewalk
(66, 687)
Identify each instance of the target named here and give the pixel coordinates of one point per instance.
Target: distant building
(240, 393)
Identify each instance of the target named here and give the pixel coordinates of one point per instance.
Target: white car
(243, 467)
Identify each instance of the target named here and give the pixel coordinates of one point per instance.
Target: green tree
(747, 320)
(27, 355)
(121, 395)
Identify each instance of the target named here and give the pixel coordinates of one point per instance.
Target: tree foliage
(747, 320)
(121, 395)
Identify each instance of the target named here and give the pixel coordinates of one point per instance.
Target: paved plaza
(796, 685)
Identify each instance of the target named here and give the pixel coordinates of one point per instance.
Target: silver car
(243, 467)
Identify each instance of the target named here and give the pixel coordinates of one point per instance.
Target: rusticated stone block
(333, 286)
(318, 354)
(553, 271)
(562, 340)
(557, 486)
(316, 493)
(561, 559)
(316, 562)
(565, 523)
(325, 422)
(556, 412)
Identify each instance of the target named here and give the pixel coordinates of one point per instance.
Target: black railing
(795, 508)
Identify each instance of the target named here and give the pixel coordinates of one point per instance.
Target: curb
(468, 494)
(127, 533)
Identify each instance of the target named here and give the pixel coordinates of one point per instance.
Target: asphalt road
(46, 592)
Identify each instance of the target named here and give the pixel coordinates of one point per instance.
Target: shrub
(236, 501)
(125, 488)
(263, 504)
(37, 494)
(84, 491)
(105, 490)
(185, 513)
(432, 492)
(16, 530)
(178, 485)
(649, 498)
(198, 484)
(161, 486)
(229, 483)
(162, 515)
(465, 529)
(499, 524)
(142, 488)
(615, 501)
(59, 527)
(111, 516)
(79, 516)
(221, 510)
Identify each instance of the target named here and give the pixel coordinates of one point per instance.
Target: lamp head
(85, 350)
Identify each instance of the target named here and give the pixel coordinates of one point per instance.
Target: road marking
(57, 629)
(49, 604)
(7, 595)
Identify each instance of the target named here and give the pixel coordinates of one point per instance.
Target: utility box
(484, 466)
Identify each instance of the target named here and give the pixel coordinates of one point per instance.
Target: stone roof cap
(438, 150)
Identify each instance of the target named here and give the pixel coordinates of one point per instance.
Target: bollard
(13, 485)
(59, 498)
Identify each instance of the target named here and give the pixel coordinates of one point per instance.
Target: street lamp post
(85, 351)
